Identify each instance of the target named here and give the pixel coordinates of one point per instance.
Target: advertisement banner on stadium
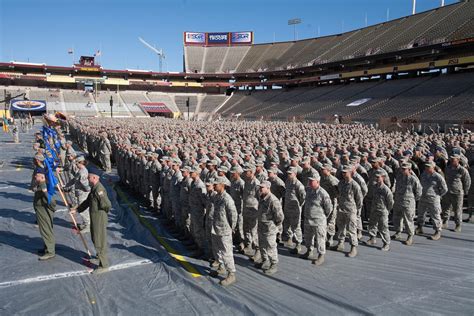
(28, 105)
(241, 38)
(217, 38)
(194, 38)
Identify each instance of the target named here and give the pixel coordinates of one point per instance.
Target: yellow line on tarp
(18, 167)
(180, 258)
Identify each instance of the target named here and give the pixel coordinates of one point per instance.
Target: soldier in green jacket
(44, 215)
(99, 205)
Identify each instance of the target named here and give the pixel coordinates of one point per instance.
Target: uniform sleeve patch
(100, 192)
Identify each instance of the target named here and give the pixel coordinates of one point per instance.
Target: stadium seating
(427, 98)
(103, 104)
(451, 22)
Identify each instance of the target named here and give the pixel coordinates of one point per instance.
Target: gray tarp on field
(428, 278)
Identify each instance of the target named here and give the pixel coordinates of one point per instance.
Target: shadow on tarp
(30, 217)
(33, 244)
(24, 162)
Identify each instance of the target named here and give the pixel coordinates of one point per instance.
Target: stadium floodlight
(159, 52)
(294, 22)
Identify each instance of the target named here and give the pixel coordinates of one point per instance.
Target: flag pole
(73, 220)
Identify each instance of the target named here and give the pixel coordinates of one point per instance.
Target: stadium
(399, 92)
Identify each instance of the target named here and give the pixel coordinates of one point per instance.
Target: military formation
(82, 191)
(253, 185)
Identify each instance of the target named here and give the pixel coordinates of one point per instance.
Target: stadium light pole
(414, 7)
(294, 22)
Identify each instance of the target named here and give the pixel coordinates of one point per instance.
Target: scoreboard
(218, 38)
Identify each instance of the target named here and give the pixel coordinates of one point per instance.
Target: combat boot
(257, 258)
(436, 235)
(458, 228)
(216, 273)
(319, 261)
(266, 265)
(230, 279)
(100, 270)
(339, 247)
(330, 241)
(214, 264)
(386, 247)
(359, 234)
(248, 250)
(396, 236)
(296, 250)
(290, 243)
(445, 224)
(419, 230)
(272, 270)
(307, 254)
(353, 252)
(46, 256)
(409, 240)
(371, 241)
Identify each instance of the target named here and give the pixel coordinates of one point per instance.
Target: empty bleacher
(425, 98)
(451, 22)
(79, 103)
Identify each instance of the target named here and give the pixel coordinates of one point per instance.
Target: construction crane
(159, 52)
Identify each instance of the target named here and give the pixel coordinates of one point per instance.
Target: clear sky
(43, 30)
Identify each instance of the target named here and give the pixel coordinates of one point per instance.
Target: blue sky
(44, 30)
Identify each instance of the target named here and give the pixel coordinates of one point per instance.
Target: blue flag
(51, 180)
(51, 161)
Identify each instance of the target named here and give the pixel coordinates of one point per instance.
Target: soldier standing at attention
(317, 207)
(458, 181)
(236, 191)
(382, 203)
(294, 199)
(224, 221)
(434, 187)
(105, 150)
(80, 184)
(349, 201)
(407, 192)
(99, 206)
(270, 216)
(44, 216)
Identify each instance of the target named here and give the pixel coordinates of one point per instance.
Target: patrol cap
(186, 168)
(203, 160)
(69, 142)
(379, 173)
(314, 177)
(223, 169)
(455, 156)
(430, 164)
(291, 170)
(248, 167)
(273, 170)
(80, 159)
(259, 163)
(265, 184)
(406, 165)
(347, 168)
(234, 169)
(41, 171)
(327, 166)
(165, 158)
(222, 180)
(39, 157)
(212, 162)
